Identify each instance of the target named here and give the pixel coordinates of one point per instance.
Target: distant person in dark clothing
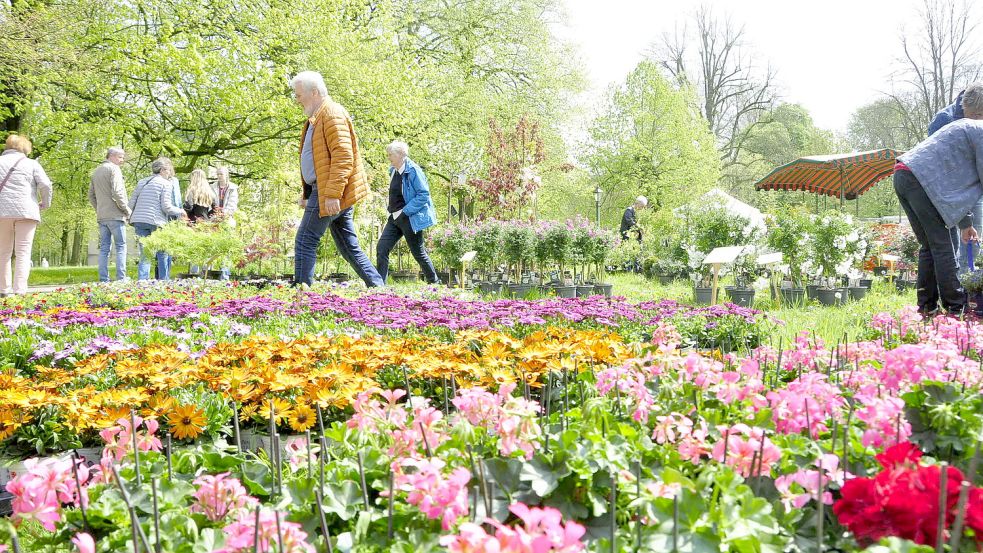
(629, 221)
(411, 211)
(199, 198)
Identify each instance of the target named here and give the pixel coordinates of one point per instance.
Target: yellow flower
(302, 418)
(187, 422)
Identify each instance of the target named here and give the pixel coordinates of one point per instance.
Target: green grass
(57, 276)
(828, 323)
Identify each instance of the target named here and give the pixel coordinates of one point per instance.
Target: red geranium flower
(905, 453)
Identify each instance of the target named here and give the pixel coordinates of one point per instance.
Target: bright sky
(832, 58)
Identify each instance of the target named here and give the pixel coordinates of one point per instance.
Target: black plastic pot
(521, 291)
(903, 285)
(665, 280)
(490, 287)
(340, 277)
(585, 290)
(703, 296)
(832, 296)
(603, 289)
(217, 275)
(880, 271)
(793, 296)
(858, 292)
(866, 282)
(565, 291)
(403, 276)
(811, 291)
(741, 296)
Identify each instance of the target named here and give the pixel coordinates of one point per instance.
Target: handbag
(11, 172)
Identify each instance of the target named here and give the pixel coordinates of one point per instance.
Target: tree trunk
(63, 257)
(77, 246)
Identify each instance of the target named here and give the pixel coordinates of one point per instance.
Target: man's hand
(970, 235)
(302, 201)
(332, 206)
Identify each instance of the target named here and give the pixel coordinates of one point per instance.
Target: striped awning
(844, 176)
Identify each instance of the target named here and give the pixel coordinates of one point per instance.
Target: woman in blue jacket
(938, 182)
(411, 211)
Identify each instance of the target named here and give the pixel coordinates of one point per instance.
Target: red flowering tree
(513, 156)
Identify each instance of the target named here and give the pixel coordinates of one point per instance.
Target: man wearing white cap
(629, 221)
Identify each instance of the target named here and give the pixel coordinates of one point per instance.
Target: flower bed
(474, 431)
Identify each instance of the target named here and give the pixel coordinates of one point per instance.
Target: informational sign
(770, 258)
(722, 256)
(468, 257)
(890, 258)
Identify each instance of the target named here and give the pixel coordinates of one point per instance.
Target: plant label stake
(361, 475)
(14, 542)
(614, 511)
(279, 532)
(957, 529)
(136, 450)
(943, 510)
(389, 513)
(320, 461)
(406, 380)
(167, 454)
(320, 419)
(324, 522)
(675, 522)
(78, 485)
(235, 426)
(256, 532)
(310, 461)
(153, 488)
(819, 507)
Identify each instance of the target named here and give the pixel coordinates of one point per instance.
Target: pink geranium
(240, 536)
(744, 445)
(219, 496)
(438, 495)
(119, 439)
(542, 531)
(44, 486)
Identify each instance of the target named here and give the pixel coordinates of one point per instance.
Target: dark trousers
(400, 228)
(342, 228)
(937, 267)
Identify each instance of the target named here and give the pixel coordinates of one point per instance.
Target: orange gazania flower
(187, 422)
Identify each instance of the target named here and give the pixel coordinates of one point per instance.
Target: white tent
(719, 198)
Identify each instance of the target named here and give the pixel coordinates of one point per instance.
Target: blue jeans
(963, 258)
(143, 230)
(313, 227)
(111, 232)
(400, 228)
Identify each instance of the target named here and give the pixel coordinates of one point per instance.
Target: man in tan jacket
(333, 179)
(107, 194)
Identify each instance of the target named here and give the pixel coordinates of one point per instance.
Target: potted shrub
(488, 247)
(450, 244)
(745, 270)
(790, 233)
(707, 229)
(836, 246)
(518, 247)
(603, 243)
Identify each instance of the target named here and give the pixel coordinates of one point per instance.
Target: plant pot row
(789, 296)
(525, 291)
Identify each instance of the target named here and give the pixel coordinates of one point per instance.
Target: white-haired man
(411, 211)
(629, 221)
(333, 179)
(107, 194)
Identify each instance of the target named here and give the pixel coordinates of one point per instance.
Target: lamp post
(461, 180)
(597, 204)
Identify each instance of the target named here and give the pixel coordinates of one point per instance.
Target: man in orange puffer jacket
(333, 178)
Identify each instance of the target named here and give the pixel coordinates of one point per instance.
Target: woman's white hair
(973, 99)
(310, 80)
(398, 147)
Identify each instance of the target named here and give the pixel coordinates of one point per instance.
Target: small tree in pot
(488, 245)
(836, 246)
(518, 244)
(790, 233)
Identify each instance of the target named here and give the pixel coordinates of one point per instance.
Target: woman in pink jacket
(25, 190)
